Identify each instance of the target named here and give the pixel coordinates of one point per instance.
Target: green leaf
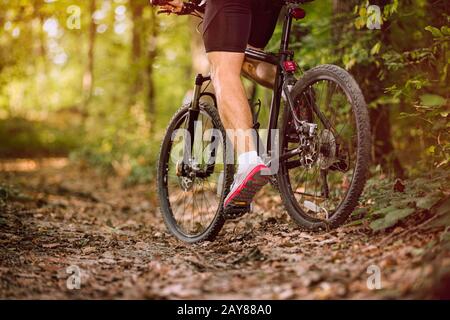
(359, 212)
(428, 202)
(355, 223)
(376, 48)
(382, 212)
(431, 149)
(434, 31)
(362, 12)
(404, 202)
(379, 224)
(432, 100)
(391, 219)
(445, 30)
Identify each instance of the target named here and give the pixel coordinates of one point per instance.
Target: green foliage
(409, 58)
(391, 202)
(119, 143)
(391, 218)
(432, 100)
(426, 91)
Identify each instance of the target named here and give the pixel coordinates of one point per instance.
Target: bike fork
(193, 114)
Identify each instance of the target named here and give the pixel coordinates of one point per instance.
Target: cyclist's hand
(174, 6)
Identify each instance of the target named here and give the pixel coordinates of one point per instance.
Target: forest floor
(65, 215)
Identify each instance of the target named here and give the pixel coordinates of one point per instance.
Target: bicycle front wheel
(193, 175)
(320, 186)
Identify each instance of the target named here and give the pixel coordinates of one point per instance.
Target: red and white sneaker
(245, 186)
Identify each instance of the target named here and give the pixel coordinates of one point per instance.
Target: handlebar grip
(164, 11)
(188, 7)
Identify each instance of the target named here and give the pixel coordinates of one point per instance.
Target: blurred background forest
(99, 80)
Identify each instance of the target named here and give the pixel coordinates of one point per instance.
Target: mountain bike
(321, 151)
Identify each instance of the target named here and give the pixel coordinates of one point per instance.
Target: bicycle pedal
(235, 211)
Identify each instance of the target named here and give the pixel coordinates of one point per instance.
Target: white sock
(248, 159)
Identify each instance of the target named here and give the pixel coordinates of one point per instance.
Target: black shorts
(229, 25)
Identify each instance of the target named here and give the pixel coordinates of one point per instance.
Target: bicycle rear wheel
(321, 186)
(192, 188)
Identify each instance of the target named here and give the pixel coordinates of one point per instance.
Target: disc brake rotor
(186, 181)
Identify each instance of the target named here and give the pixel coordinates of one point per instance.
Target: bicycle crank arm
(285, 157)
(290, 154)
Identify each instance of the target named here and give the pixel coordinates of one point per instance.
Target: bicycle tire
(359, 108)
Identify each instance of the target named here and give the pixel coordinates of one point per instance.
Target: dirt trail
(70, 216)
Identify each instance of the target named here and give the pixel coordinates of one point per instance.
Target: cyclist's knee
(223, 74)
(225, 64)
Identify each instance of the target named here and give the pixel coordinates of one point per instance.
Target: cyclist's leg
(226, 32)
(262, 73)
(231, 97)
(264, 19)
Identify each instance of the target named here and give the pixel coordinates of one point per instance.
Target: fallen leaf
(51, 245)
(89, 250)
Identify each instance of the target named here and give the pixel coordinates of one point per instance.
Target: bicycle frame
(283, 74)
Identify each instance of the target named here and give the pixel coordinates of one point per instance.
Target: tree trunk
(137, 8)
(40, 63)
(88, 78)
(151, 55)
